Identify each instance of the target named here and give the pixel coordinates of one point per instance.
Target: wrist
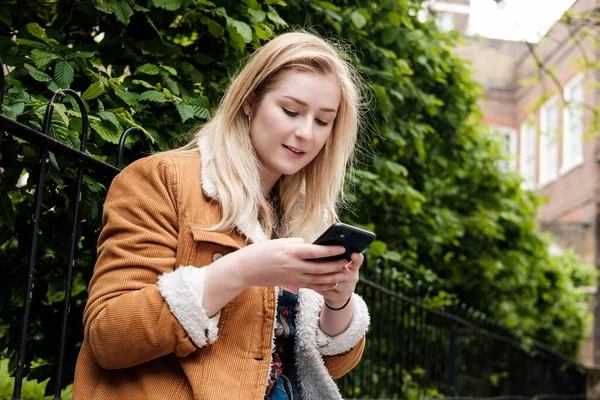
(232, 270)
(338, 307)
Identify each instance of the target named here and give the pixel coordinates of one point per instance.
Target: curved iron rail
(122, 144)
(32, 256)
(77, 199)
(38, 202)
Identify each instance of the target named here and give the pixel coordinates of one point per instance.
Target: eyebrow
(302, 103)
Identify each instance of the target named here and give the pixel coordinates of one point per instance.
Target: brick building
(553, 145)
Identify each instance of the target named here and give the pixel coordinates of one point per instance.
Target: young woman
(206, 285)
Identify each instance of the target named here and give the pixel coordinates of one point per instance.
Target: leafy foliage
(443, 210)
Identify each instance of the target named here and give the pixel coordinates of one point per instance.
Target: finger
(356, 261)
(311, 251)
(294, 240)
(326, 290)
(323, 267)
(327, 279)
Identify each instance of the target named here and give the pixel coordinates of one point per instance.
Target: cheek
(274, 121)
(323, 138)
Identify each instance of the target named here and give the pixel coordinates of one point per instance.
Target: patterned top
(283, 383)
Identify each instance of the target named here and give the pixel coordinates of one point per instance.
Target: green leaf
(358, 19)
(242, 28)
(172, 86)
(239, 33)
(199, 107)
(153, 95)
(110, 117)
(186, 111)
(170, 5)
(107, 131)
(106, 6)
(148, 69)
(80, 54)
(261, 33)
(122, 11)
(37, 75)
(394, 18)
(7, 213)
(128, 97)
(219, 12)
(95, 90)
(53, 162)
(329, 6)
(42, 58)
(274, 16)
(13, 110)
(256, 16)
(143, 83)
(6, 18)
(137, 7)
(58, 129)
(63, 74)
(31, 43)
(253, 4)
(389, 34)
(214, 27)
(396, 168)
(61, 110)
(170, 70)
(37, 31)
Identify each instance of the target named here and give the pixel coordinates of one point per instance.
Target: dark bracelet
(337, 309)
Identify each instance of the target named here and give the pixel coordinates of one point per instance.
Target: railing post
(31, 268)
(452, 387)
(76, 199)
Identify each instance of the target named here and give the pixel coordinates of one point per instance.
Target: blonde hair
(235, 165)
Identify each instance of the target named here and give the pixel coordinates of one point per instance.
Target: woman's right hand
(288, 262)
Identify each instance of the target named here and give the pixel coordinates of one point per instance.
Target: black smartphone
(354, 239)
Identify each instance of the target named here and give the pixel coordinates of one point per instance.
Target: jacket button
(216, 256)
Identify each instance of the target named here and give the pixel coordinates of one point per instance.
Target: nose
(304, 130)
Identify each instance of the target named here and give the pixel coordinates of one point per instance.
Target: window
(573, 125)
(445, 22)
(548, 145)
(509, 145)
(527, 154)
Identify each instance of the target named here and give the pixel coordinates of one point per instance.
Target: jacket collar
(248, 226)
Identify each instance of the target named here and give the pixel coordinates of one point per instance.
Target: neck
(268, 182)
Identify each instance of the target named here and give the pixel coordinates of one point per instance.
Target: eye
(290, 113)
(321, 123)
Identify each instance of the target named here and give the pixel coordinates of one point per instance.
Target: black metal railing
(412, 351)
(417, 352)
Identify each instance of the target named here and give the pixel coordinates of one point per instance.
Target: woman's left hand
(337, 297)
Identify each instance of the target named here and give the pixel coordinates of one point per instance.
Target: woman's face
(292, 122)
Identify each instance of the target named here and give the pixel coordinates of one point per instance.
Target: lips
(294, 150)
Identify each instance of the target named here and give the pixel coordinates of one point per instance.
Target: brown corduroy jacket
(146, 333)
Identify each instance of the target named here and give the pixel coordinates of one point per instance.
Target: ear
(247, 106)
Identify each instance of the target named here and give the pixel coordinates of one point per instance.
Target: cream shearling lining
(183, 290)
(339, 344)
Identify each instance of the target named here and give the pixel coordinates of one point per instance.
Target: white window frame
(572, 145)
(509, 136)
(548, 162)
(528, 153)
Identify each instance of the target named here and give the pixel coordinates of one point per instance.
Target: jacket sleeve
(342, 353)
(339, 365)
(127, 321)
